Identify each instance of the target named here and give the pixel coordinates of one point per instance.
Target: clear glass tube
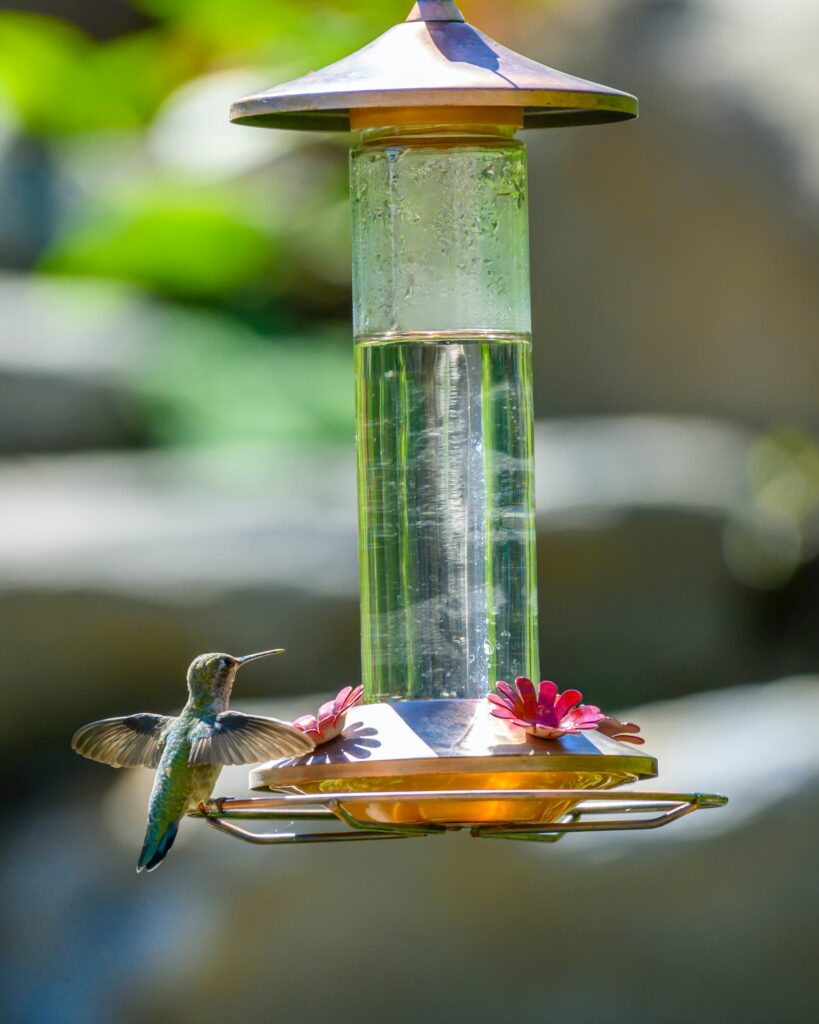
(443, 411)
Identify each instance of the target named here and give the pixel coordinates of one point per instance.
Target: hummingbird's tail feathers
(155, 849)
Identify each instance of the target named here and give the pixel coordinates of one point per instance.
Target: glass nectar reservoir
(444, 408)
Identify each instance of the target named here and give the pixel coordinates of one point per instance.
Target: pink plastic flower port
(329, 722)
(546, 713)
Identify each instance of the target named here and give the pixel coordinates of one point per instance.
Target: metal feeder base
(410, 768)
(401, 747)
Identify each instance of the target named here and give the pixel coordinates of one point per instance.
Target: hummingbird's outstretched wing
(234, 738)
(124, 742)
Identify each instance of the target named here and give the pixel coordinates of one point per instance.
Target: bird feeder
(441, 315)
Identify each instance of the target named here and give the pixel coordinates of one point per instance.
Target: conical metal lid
(434, 59)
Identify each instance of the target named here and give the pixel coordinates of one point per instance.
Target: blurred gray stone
(675, 258)
(146, 522)
(66, 351)
(116, 570)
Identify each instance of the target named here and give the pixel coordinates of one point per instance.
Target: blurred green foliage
(245, 233)
(216, 381)
(766, 542)
(301, 35)
(241, 235)
(190, 242)
(61, 82)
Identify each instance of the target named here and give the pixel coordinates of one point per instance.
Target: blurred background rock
(176, 475)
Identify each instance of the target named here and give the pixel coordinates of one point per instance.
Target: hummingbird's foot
(203, 808)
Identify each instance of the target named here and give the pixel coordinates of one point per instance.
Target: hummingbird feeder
(441, 312)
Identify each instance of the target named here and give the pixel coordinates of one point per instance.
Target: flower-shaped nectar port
(545, 713)
(329, 722)
(622, 731)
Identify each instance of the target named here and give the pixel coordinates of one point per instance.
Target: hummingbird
(188, 751)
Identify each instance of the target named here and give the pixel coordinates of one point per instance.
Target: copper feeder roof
(433, 59)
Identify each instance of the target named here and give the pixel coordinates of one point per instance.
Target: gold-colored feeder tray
(422, 767)
(442, 746)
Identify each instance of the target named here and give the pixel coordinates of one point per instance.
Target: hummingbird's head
(211, 676)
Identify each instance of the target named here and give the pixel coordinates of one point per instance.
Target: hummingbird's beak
(261, 654)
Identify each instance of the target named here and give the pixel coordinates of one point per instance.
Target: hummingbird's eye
(225, 662)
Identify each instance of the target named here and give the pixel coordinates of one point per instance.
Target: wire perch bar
(607, 811)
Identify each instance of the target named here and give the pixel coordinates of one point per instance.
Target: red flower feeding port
(329, 722)
(546, 713)
(444, 441)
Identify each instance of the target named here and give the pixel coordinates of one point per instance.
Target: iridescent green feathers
(154, 851)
